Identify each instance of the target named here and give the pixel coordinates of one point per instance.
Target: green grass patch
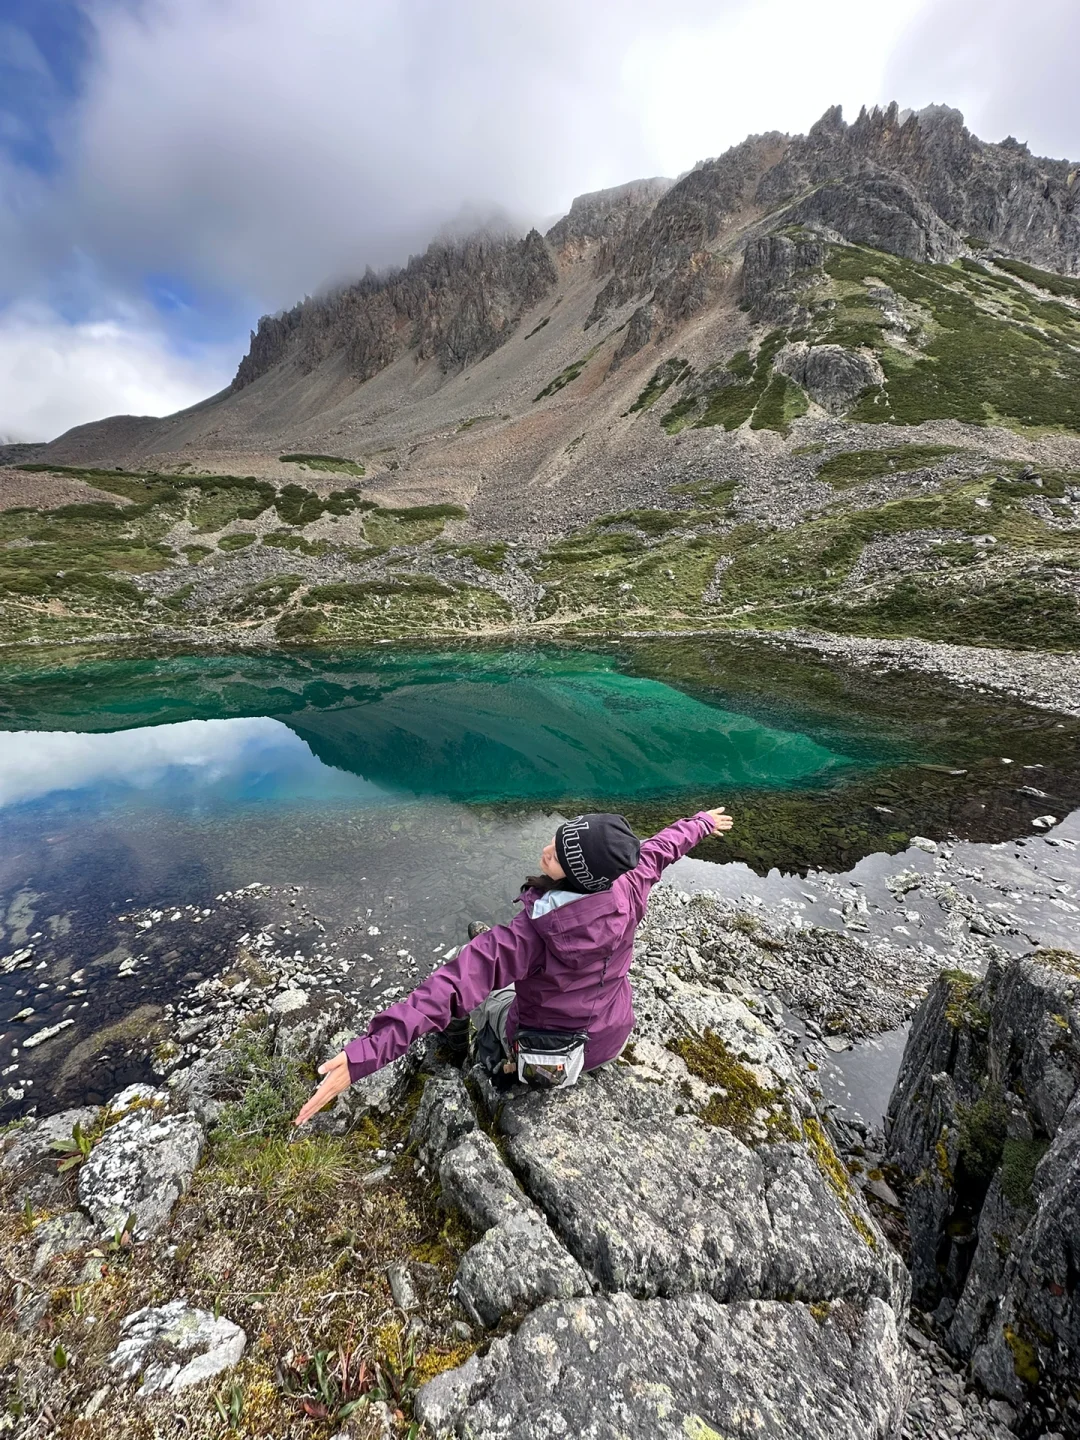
(410, 524)
(236, 542)
(652, 522)
(852, 467)
(671, 372)
(740, 384)
(564, 377)
(974, 363)
(489, 557)
(399, 605)
(782, 402)
(263, 599)
(1065, 285)
(334, 463)
(289, 540)
(1014, 614)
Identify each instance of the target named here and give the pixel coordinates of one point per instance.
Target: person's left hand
(337, 1080)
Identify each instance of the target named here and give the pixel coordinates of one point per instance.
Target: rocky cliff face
(985, 1126)
(917, 186)
(455, 304)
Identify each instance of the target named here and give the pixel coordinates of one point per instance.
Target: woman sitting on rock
(548, 994)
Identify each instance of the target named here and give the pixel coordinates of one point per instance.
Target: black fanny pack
(549, 1059)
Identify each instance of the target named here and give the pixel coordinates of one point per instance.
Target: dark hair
(543, 883)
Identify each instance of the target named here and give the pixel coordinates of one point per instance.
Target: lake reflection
(193, 761)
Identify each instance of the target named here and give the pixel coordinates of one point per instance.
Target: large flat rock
(616, 1368)
(660, 1203)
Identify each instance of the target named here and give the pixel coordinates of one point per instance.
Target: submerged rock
(985, 1126)
(613, 1366)
(159, 1340)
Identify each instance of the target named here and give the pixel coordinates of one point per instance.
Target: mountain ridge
(793, 387)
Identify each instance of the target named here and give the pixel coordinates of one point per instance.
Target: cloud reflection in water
(256, 758)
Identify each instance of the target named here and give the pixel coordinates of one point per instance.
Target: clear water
(476, 728)
(407, 792)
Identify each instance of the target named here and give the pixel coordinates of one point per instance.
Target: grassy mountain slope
(784, 390)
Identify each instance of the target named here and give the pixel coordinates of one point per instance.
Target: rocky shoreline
(697, 1205)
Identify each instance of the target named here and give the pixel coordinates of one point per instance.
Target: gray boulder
(984, 1124)
(882, 211)
(141, 1167)
(616, 1368)
(775, 267)
(175, 1346)
(515, 1266)
(60, 1236)
(661, 1203)
(443, 1117)
(475, 1180)
(830, 375)
(30, 1162)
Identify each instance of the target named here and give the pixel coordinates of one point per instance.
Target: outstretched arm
(496, 958)
(669, 845)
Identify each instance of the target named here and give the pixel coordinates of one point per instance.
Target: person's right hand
(337, 1080)
(720, 818)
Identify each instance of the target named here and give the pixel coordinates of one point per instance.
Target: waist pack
(550, 1059)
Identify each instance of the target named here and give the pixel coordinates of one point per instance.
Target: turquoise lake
(399, 793)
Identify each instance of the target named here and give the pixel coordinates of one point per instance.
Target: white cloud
(263, 148)
(1010, 68)
(773, 65)
(54, 375)
(268, 147)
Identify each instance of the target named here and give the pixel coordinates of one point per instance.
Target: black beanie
(595, 850)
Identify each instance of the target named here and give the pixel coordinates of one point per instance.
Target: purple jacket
(569, 966)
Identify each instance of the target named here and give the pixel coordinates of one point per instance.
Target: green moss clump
(739, 1098)
(334, 463)
(981, 1135)
(960, 1010)
(851, 467)
(564, 377)
(238, 541)
(1025, 1356)
(671, 372)
(839, 1180)
(1019, 1159)
(1066, 962)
